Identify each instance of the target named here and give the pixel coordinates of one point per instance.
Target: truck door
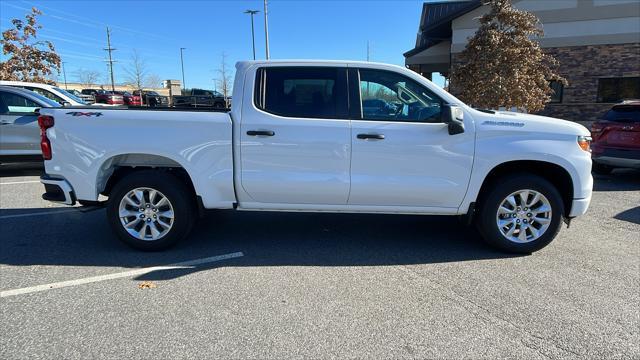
(402, 153)
(295, 141)
(19, 132)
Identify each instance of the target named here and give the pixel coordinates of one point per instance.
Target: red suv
(109, 97)
(616, 138)
(129, 99)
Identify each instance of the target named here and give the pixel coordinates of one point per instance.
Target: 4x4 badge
(79, 113)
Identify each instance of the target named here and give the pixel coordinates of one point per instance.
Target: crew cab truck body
(297, 139)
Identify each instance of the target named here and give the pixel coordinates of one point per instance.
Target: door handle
(260, 133)
(370, 136)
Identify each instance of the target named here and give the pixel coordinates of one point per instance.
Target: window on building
(558, 89)
(389, 96)
(618, 89)
(302, 92)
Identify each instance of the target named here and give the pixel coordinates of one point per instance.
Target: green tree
(29, 59)
(503, 64)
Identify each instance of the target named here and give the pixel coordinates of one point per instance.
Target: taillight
(585, 143)
(596, 128)
(45, 122)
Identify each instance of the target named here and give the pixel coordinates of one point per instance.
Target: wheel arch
(118, 166)
(557, 175)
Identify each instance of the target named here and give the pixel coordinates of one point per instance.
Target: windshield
(70, 95)
(152, 93)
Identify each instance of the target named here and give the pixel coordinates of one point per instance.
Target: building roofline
(473, 4)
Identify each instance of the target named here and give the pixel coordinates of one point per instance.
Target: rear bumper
(57, 190)
(618, 157)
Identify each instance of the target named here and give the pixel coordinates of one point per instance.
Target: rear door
(295, 138)
(19, 132)
(402, 153)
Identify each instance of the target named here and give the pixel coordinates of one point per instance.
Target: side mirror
(66, 104)
(453, 116)
(36, 111)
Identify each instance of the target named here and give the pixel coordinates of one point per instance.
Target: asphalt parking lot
(275, 285)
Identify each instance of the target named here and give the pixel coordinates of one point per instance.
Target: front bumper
(579, 206)
(57, 190)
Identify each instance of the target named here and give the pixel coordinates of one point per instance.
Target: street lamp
(266, 30)
(182, 64)
(253, 38)
(64, 73)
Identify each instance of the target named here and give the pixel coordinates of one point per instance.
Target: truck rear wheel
(521, 214)
(151, 210)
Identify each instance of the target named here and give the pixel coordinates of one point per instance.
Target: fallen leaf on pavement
(146, 285)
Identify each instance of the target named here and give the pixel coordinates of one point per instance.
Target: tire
(158, 230)
(601, 169)
(522, 242)
(218, 105)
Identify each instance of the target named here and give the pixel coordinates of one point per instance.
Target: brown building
(597, 43)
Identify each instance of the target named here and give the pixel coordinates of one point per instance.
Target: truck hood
(512, 121)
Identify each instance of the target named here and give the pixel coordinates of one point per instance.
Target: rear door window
(302, 92)
(17, 104)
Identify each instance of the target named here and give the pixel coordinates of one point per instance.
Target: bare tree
(87, 78)
(503, 64)
(136, 71)
(153, 81)
(28, 60)
(224, 80)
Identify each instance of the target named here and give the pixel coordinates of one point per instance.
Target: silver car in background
(51, 92)
(19, 131)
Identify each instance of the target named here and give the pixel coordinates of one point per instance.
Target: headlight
(585, 143)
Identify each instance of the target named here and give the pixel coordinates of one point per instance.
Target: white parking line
(181, 265)
(38, 213)
(20, 182)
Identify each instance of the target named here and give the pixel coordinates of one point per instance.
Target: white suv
(54, 93)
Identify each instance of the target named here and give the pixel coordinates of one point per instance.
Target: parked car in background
(297, 139)
(129, 98)
(200, 98)
(90, 92)
(109, 97)
(616, 138)
(152, 98)
(51, 92)
(89, 99)
(19, 131)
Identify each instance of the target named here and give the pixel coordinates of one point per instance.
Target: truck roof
(247, 63)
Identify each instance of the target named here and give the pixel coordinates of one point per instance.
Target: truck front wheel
(151, 210)
(521, 214)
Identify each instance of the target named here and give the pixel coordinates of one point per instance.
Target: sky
(330, 29)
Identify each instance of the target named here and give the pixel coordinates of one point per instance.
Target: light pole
(266, 30)
(253, 37)
(64, 73)
(182, 64)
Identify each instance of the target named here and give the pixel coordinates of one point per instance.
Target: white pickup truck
(324, 136)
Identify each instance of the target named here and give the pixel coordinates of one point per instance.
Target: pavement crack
(487, 316)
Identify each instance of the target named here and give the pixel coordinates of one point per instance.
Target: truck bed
(89, 143)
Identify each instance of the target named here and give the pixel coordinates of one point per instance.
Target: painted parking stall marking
(181, 265)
